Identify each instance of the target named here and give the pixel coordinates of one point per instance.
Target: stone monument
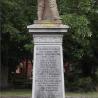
(47, 9)
(48, 30)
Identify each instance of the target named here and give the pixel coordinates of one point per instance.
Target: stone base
(48, 76)
(48, 22)
(47, 28)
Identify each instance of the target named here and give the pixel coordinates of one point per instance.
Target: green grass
(16, 92)
(28, 92)
(92, 94)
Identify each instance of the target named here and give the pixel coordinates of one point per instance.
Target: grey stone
(47, 9)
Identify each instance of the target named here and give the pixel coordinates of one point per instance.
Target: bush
(86, 84)
(74, 83)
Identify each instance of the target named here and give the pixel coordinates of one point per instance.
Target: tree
(80, 42)
(16, 42)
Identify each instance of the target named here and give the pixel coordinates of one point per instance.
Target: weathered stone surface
(47, 27)
(48, 72)
(48, 79)
(48, 76)
(47, 9)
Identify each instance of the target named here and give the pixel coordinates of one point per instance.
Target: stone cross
(47, 10)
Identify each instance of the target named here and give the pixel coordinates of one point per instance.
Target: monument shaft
(48, 81)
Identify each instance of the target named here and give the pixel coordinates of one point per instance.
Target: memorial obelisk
(47, 31)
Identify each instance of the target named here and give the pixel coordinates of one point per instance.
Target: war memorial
(47, 31)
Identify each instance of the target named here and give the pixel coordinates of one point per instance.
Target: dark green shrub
(74, 83)
(85, 84)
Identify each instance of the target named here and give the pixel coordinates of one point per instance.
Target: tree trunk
(4, 77)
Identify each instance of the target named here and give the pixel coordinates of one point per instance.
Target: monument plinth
(48, 76)
(47, 31)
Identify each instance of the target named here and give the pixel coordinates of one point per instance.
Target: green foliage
(80, 43)
(86, 84)
(75, 83)
(79, 26)
(80, 34)
(76, 6)
(16, 15)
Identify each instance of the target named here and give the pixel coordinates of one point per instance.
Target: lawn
(16, 92)
(28, 92)
(91, 94)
